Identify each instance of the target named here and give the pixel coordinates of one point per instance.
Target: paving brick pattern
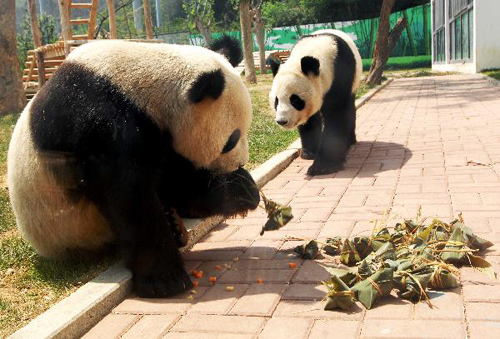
(431, 142)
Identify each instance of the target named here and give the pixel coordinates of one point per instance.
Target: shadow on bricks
(366, 159)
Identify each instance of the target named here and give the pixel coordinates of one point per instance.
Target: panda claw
(159, 285)
(308, 155)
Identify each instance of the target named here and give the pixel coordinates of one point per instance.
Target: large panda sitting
(124, 138)
(315, 90)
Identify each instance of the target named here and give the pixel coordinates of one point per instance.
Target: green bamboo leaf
(339, 295)
(307, 251)
(349, 255)
(375, 287)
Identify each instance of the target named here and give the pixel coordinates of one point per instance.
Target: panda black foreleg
(310, 136)
(336, 138)
(143, 232)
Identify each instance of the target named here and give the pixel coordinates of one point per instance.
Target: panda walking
(315, 92)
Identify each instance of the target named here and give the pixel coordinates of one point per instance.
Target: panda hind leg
(143, 233)
(310, 135)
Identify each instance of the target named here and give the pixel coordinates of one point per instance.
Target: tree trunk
(65, 25)
(147, 20)
(204, 30)
(112, 19)
(246, 34)
(12, 96)
(383, 50)
(426, 31)
(259, 34)
(410, 35)
(35, 29)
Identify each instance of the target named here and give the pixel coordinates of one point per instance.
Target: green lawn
(407, 62)
(494, 73)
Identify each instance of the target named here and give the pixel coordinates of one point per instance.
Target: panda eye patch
(232, 141)
(276, 103)
(297, 102)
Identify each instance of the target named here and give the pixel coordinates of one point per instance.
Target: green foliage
(494, 73)
(198, 10)
(47, 26)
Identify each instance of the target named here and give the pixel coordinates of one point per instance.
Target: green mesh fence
(414, 41)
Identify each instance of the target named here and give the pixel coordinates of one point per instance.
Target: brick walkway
(415, 139)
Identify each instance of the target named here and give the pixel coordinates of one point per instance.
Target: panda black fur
(121, 140)
(228, 46)
(314, 90)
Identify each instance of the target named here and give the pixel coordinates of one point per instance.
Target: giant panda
(125, 138)
(314, 90)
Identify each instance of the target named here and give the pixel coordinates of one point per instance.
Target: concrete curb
(77, 314)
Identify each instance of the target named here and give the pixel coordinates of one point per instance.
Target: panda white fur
(314, 90)
(121, 140)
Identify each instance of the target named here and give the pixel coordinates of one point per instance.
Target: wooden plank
(92, 19)
(30, 72)
(80, 5)
(80, 37)
(79, 21)
(47, 77)
(41, 68)
(35, 70)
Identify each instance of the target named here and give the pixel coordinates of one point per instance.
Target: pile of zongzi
(411, 259)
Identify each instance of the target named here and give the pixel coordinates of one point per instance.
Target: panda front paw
(308, 155)
(322, 168)
(162, 284)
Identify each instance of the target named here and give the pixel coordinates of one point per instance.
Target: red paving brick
(415, 139)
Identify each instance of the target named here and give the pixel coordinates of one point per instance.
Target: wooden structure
(42, 62)
(89, 21)
(50, 57)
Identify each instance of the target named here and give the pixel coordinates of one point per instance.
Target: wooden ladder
(90, 21)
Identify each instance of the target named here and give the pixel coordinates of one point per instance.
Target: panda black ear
(309, 65)
(208, 84)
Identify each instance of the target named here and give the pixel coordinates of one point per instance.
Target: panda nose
(282, 122)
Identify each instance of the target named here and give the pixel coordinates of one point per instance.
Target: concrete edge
(75, 315)
(78, 313)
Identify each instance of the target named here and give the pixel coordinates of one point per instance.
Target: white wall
(486, 40)
(487, 37)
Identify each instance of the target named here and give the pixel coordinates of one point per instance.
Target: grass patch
(29, 284)
(406, 62)
(266, 138)
(494, 73)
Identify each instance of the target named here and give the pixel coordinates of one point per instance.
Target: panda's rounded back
(157, 77)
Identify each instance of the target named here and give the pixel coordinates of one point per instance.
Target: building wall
(487, 37)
